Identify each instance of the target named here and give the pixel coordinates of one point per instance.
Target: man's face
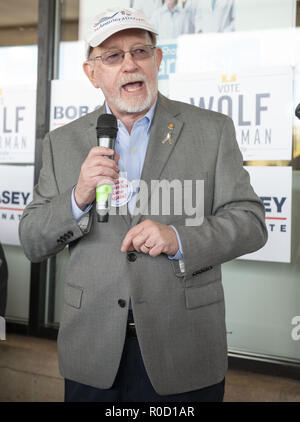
(129, 87)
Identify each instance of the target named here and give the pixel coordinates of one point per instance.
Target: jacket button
(131, 256)
(122, 303)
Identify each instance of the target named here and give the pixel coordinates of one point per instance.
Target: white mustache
(135, 77)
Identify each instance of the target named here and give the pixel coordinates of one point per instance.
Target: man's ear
(88, 68)
(159, 56)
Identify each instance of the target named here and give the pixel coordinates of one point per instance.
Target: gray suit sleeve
(47, 224)
(236, 225)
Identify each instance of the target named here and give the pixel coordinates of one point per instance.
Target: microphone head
(107, 125)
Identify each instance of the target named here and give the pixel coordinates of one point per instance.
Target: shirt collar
(148, 116)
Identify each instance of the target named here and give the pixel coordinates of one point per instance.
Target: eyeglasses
(115, 57)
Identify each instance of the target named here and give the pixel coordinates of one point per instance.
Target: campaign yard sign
(71, 100)
(274, 187)
(260, 102)
(16, 183)
(17, 123)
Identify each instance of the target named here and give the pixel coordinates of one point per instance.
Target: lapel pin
(168, 138)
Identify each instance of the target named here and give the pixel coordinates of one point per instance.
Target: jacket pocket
(73, 295)
(204, 276)
(204, 295)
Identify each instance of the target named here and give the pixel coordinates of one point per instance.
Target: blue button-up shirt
(132, 149)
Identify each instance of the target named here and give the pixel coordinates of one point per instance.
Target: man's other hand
(151, 238)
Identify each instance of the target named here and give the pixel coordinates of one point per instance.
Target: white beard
(136, 105)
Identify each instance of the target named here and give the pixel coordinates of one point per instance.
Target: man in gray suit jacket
(144, 316)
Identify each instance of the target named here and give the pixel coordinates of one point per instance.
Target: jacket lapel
(91, 132)
(158, 153)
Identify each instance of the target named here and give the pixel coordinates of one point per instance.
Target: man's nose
(128, 64)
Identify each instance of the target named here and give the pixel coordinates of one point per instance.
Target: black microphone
(297, 111)
(107, 129)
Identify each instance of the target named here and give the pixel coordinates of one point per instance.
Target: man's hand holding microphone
(97, 169)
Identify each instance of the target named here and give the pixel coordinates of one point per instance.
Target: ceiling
(25, 12)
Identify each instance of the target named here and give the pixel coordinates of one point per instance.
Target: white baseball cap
(114, 20)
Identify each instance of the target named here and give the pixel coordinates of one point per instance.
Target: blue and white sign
(260, 102)
(274, 187)
(16, 185)
(17, 123)
(71, 100)
(167, 66)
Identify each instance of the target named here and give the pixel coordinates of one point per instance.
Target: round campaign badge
(121, 193)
